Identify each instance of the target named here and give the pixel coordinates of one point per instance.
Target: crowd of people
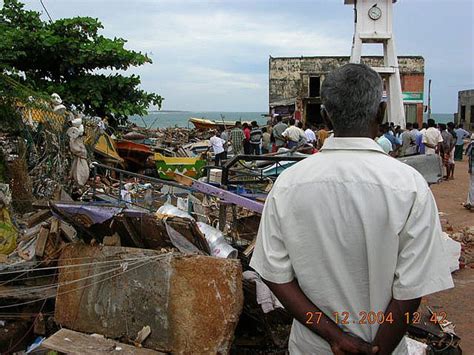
(446, 140)
(251, 139)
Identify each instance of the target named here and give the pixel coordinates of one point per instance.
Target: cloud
(213, 55)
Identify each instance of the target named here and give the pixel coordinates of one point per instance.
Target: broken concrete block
(191, 303)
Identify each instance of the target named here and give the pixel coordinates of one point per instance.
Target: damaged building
(465, 115)
(295, 84)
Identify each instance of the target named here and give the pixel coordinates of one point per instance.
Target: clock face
(375, 13)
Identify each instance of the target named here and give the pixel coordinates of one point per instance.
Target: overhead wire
(55, 285)
(45, 9)
(88, 285)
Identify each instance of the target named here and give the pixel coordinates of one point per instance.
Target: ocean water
(164, 119)
(440, 117)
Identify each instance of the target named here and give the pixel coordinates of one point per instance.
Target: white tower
(373, 24)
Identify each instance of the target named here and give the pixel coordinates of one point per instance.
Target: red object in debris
(134, 154)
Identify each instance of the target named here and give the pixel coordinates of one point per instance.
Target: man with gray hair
(350, 234)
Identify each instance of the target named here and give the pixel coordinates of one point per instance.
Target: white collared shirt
(355, 227)
(310, 136)
(432, 136)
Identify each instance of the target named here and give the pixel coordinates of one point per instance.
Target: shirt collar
(351, 143)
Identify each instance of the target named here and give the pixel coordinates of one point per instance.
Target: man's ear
(381, 112)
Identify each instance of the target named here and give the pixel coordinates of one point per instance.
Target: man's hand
(347, 344)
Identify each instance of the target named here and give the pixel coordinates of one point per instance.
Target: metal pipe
(144, 177)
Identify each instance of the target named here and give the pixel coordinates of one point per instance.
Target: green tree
(64, 56)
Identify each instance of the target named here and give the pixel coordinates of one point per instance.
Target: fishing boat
(204, 123)
(105, 147)
(168, 166)
(134, 154)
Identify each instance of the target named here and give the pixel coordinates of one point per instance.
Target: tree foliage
(71, 57)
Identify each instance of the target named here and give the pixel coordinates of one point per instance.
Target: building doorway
(313, 114)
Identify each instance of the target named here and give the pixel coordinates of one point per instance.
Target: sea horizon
(180, 118)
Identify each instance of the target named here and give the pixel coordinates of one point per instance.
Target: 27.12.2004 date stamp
(344, 318)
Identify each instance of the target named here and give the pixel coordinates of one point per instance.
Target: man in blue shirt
(396, 144)
(461, 134)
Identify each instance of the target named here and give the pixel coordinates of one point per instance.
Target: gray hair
(351, 96)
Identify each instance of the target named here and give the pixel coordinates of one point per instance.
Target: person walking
(349, 231)
(310, 135)
(217, 145)
(266, 141)
(447, 146)
(294, 135)
(246, 130)
(277, 132)
(461, 134)
(432, 138)
(408, 138)
(256, 135)
(419, 139)
(237, 138)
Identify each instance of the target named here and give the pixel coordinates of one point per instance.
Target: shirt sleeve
(422, 267)
(270, 257)
(440, 138)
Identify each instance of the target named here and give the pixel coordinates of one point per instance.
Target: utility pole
(429, 99)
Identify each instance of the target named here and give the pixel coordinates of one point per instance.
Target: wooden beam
(38, 217)
(76, 343)
(41, 242)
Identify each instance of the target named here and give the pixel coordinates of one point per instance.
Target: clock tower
(373, 24)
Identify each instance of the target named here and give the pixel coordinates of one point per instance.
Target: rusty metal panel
(118, 294)
(191, 303)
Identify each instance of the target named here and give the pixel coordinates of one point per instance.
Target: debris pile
(128, 257)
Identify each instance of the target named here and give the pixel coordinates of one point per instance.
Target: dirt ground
(457, 302)
(450, 196)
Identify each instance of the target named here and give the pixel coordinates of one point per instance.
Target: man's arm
(389, 334)
(308, 314)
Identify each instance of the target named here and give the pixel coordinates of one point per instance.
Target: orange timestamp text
(371, 317)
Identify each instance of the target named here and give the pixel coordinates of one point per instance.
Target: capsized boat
(203, 123)
(168, 166)
(134, 154)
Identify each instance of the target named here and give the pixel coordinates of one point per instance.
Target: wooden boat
(134, 154)
(203, 123)
(168, 166)
(105, 147)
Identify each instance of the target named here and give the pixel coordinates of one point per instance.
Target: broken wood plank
(54, 230)
(68, 231)
(71, 342)
(28, 293)
(38, 217)
(41, 242)
(250, 248)
(41, 205)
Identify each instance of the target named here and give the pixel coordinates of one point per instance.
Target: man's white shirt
(355, 227)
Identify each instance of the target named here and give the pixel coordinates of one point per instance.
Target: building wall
(466, 100)
(289, 77)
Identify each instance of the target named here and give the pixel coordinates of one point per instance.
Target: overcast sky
(213, 55)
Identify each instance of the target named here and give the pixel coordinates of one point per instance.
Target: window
(463, 113)
(314, 86)
(410, 113)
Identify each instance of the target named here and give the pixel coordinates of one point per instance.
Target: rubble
(148, 264)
